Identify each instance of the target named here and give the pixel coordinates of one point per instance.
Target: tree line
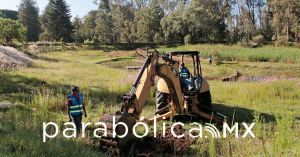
(165, 21)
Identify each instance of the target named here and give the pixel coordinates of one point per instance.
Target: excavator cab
(195, 69)
(195, 97)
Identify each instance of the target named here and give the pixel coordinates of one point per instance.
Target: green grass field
(238, 53)
(40, 91)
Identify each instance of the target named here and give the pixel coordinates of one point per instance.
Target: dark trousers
(77, 120)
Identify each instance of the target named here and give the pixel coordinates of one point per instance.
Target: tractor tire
(205, 101)
(161, 102)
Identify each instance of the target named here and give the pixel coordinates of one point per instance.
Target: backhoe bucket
(119, 132)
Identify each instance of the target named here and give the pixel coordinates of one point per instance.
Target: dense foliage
(28, 16)
(194, 21)
(56, 24)
(11, 14)
(11, 31)
(249, 22)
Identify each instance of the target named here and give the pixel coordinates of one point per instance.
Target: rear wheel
(161, 102)
(205, 101)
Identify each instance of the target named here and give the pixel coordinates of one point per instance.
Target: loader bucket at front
(117, 126)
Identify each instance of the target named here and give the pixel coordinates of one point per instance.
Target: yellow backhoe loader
(172, 99)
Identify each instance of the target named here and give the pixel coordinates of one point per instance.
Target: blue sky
(78, 7)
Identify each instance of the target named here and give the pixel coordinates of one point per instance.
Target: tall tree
(286, 17)
(169, 6)
(142, 24)
(200, 20)
(246, 27)
(174, 25)
(147, 21)
(156, 14)
(104, 22)
(78, 30)
(295, 21)
(266, 23)
(251, 6)
(89, 25)
(122, 16)
(28, 16)
(140, 4)
(56, 21)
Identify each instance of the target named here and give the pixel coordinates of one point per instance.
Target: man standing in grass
(209, 60)
(76, 107)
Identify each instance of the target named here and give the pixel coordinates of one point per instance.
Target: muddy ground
(150, 146)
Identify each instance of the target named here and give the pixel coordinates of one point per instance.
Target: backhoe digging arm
(135, 100)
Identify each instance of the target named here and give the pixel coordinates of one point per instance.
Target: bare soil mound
(11, 58)
(163, 145)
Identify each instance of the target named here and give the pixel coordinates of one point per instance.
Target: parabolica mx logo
(196, 130)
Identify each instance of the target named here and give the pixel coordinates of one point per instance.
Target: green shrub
(187, 39)
(12, 32)
(45, 36)
(259, 40)
(217, 57)
(243, 44)
(297, 45)
(281, 41)
(92, 44)
(158, 38)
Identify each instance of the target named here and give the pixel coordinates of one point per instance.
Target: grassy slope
(238, 53)
(54, 72)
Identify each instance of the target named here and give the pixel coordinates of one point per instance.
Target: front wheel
(161, 102)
